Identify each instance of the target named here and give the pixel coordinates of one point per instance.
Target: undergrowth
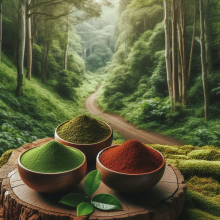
(39, 111)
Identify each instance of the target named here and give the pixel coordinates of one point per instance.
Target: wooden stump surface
(18, 202)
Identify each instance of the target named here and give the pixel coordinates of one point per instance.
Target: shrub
(66, 82)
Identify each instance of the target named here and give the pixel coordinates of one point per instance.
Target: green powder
(83, 130)
(52, 157)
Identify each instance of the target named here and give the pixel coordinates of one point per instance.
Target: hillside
(37, 113)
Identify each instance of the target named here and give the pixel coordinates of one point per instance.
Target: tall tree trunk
(182, 46)
(193, 40)
(167, 48)
(21, 46)
(174, 52)
(209, 63)
(180, 76)
(29, 44)
(183, 32)
(66, 46)
(45, 56)
(0, 31)
(203, 60)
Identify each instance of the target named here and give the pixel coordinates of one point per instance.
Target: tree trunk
(167, 48)
(193, 40)
(45, 56)
(182, 46)
(0, 31)
(21, 45)
(174, 52)
(183, 32)
(203, 60)
(209, 64)
(29, 44)
(180, 76)
(66, 46)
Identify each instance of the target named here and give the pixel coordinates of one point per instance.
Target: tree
(203, 60)
(21, 45)
(174, 51)
(28, 42)
(167, 48)
(193, 40)
(181, 26)
(0, 29)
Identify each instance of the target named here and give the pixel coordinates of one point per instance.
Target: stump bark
(18, 202)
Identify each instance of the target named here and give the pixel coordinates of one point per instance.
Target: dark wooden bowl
(129, 183)
(90, 150)
(52, 182)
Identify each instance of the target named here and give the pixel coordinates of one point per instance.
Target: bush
(66, 82)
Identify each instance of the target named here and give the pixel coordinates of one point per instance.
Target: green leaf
(74, 199)
(106, 202)
(84, 208)
(92, 182)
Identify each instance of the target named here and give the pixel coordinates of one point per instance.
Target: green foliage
(66, 82)
(84, 205)
(92, 182)
(39, 111)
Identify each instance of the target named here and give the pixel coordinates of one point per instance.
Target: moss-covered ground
(201, 170)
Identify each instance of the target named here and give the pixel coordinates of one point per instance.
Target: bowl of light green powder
(52, 167)
(86, 134)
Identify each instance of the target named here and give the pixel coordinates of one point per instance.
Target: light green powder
(52, 157)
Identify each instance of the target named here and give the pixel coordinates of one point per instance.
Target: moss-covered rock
(197, 201)
(196, 214)
(205, 154)
(201, 168)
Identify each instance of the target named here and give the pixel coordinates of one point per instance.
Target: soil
(126, 129)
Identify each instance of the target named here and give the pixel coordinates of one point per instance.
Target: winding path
(125, 129)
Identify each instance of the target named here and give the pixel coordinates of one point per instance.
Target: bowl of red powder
(130, 167)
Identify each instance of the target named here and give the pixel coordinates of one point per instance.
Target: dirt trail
(127, 130)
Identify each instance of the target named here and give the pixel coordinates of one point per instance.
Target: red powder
(131, 157)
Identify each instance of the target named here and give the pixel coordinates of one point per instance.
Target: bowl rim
(68, 171)
(129, 174)
(111, 132)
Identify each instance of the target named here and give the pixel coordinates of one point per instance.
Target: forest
(155, 62)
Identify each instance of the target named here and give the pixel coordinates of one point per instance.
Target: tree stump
(17, 201)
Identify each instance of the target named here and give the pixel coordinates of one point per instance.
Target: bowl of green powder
(52, 167)
(86, 134)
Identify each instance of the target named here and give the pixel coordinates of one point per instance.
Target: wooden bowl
(52, 182)
(129, 183)
(90, 150)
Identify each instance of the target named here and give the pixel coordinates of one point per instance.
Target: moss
(52, 157)
(195, 200)
(182, 157)
(83, 130)
(206, 154)
(165, 149)
(201, 168)
(189, 148)
(206, 186)
(210, 147)
(196, 214)
(5, 157)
